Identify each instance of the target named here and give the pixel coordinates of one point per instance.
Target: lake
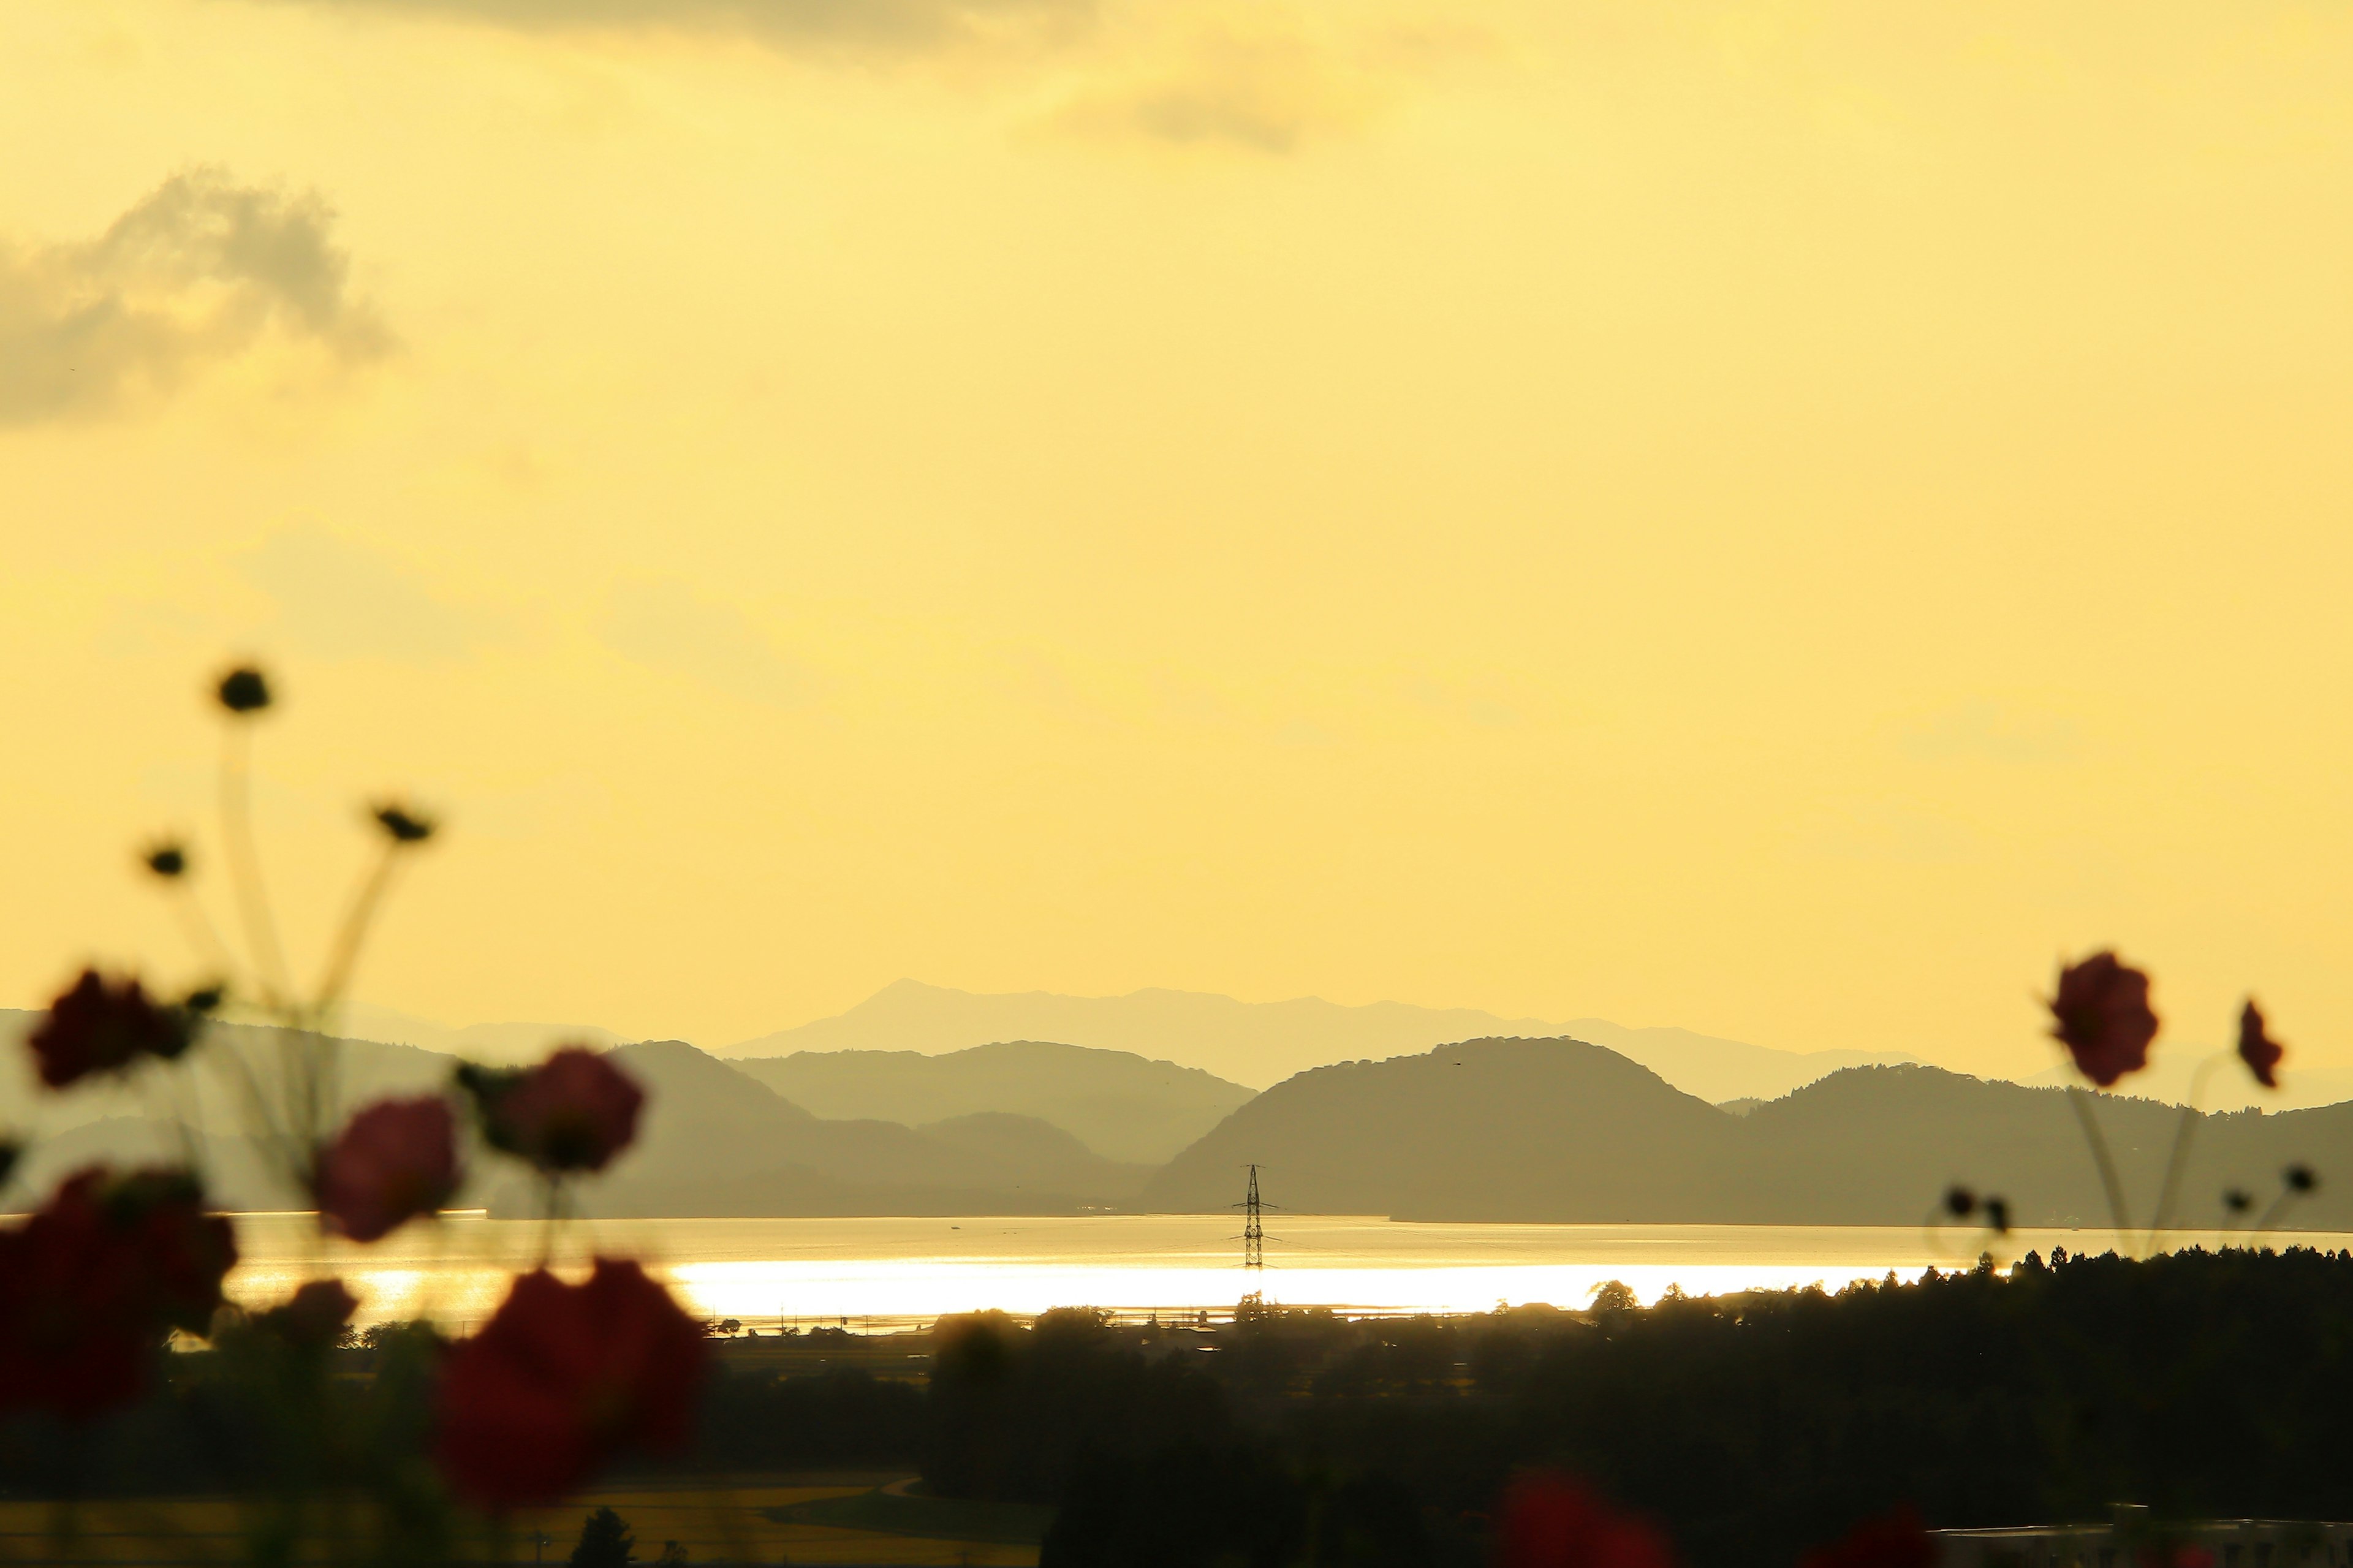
(889, 1273)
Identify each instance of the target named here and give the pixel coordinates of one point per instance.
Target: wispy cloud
(885, 24)
(198, 272)
(668, 626)
(1264, 93)
(341, 600)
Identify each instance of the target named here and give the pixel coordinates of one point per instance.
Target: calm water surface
(888, 1272)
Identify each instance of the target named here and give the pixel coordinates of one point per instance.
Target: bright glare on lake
(895, 1271)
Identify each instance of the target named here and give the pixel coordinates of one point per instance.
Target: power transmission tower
(1253, 1233)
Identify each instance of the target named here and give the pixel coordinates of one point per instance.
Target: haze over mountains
(1261, 1043)
(1495, 1129)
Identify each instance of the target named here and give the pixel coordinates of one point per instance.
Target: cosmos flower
(393, 1162)
(91, 1284)
(2257, 1049)
(564, 1377)
(1551, 1520)
(573, 1112)
(102, 1026)
(2102, 1015)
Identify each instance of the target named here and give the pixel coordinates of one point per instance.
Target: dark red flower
(316, 1317)
(393, 1162)
(2257, 1049)
(1891, 1541)
(573, 1112)
(89, 1286)
(2102, 1015)
(560, 1379)
(99, 1026)
(1551, 1520)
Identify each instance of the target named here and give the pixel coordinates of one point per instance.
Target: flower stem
(245, 872)
(2082, 1101)
(2181, 1134)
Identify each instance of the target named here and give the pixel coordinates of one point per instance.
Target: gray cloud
(197, 272)
(856, 24)
(340, 600)
(667, 626)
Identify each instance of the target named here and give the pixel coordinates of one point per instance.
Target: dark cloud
(885, 24)
(197, 272)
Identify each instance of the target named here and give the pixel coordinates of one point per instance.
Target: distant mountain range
(1120, 1105)
(1503, 1129)
(1559, 1130)
(1260, 1043)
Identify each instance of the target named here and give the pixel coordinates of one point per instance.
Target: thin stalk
(244, 871)
(2271, 1215)
(197, 927)
(2082, 1101)
(2181, 1134)
(346, 950)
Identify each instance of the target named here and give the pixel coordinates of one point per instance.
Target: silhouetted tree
(605, 1542)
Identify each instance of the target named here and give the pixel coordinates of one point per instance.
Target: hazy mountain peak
(1260, 1043)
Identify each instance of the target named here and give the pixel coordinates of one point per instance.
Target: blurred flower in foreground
(403, 825)
(393, 1162)
(1891, 1541)
(2257, 1049)
(2103, 1016)
(90, 1285)
(573, 1112)
(1551, 1520)
(564, 1377)
(98, 1026)
(243, 690)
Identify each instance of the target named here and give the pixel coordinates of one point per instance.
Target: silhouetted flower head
(2102, 1015)
(2299, 1179)
(1960, 1202)
(573, 1112)
(403, 825)
(562, 1378)
(1997, 1215)
(2237, 1201)
(167, 860)
(91, 1284)
(393, 1162)
(243, 690)
(1895, 1540)
(99, 1025)
(1551, 1520)
(10, 1152)
(315, 1318)
(2257, 1049)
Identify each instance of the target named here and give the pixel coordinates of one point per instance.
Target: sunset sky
(1779, 519)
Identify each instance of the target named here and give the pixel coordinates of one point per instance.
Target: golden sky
(1775, 518)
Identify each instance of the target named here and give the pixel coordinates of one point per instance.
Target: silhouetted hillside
(1559, 1130)
(1497, 1130)
(1122, 1106)
(713, 1142)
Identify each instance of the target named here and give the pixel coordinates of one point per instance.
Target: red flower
(563, 1377)
(99, 1027)
(2257, 1049)
(90, 1285)
(1551, 1520)
(1891, 1541)
(573, 1112)
(393, 1162)
(2102, 1015)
